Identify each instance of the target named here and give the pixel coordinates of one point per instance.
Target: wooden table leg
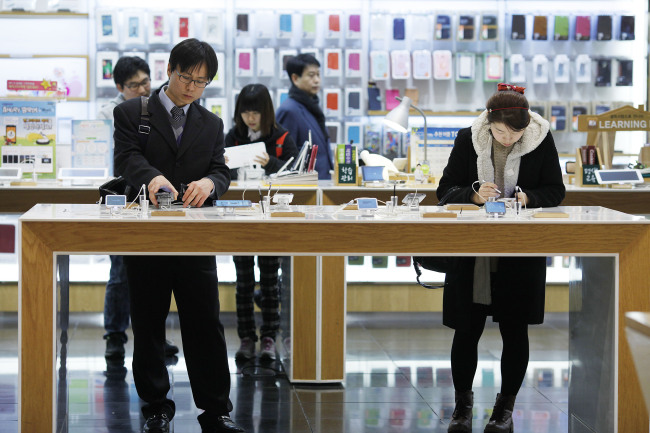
(37, 345)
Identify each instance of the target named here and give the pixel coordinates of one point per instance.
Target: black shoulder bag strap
(144, 127)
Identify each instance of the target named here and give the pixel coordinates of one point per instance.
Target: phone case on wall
(353, 134)
(540, 69)
(493, 67)
(540, 28)
(391, 101)
(378, 27)
(308, 26)
(400, 64)
(603, 73)
(583, 68)
(285, 26)
(420, 26)
(558, 117)
(443, 27)
(374, 99)
(561, 28)
(244, 59)
(442, 65)
(379, 65)
(518, 31)
(604, 28)
(627, 28)
(332, 102)
(489, 27)
(352, 63)
(465, 28)
(577, 110)
(333, 63)
(624, 77)
(334, 25)
(353, 101)
(399, 29)
(583, 28)
(242, 25)
(422, 64)
(265, 62)
(561, 68)
(465, 65)
(264, 25)
(354, 26)
(517, 69)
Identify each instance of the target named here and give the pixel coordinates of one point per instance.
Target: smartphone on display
(10, 137)
(232, 203)
(495, 208)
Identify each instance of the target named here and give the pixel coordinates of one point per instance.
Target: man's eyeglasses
(187, 80)
(132, 86)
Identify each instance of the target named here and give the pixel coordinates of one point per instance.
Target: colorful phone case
(518, 31)
(399, 29)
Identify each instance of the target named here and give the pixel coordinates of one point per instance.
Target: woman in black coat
(255, 122)
(507, 151)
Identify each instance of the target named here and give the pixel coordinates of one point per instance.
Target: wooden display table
(318, 291)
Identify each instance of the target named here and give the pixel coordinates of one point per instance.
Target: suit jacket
(200, 153)
(299, 121)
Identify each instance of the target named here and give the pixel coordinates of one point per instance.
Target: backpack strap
(278, 144)
(144, 127)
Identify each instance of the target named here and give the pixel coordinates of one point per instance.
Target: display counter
(22, 198)
(610, 280)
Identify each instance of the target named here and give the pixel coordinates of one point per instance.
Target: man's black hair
(126, 67)
(192, 53)
(297, 64)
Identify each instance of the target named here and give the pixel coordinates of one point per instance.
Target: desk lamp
(398, 119)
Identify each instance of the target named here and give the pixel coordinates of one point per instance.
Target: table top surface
(316, 214)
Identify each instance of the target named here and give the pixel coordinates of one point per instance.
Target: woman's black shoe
(461, 420)
(501, 419)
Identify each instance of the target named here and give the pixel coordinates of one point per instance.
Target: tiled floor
(398, 380)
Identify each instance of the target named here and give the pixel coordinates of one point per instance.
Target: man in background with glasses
(132, 79)
(184, 144)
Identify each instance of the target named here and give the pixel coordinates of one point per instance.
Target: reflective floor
(398, 380)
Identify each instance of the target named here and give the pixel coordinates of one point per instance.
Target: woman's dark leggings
(514, 358)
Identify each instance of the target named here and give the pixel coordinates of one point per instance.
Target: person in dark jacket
(255, 122)
(301, 113)
(508, 151)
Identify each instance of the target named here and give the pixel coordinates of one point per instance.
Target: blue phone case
(398, 29)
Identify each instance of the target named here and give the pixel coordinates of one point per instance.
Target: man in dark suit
(185, 145)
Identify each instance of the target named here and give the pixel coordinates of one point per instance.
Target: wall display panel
(354, 26)
(465, 66)
(517, 67)
(493, 67)
(333, 62)
(284, 56)
(540, 69)
(353, 63)
(106, 61)
(134, 27)
(244, 62)
(422, 64)
(107, 27)
(285, 26)
(400, 64)
(158, 65)
(266, 62)
(264, 24)
(334, 131)
(213, 30)
(561, 68)
(332, 102)
(242, 27)
(219, 80)
(158, 28)
(379, 65)
(443, 27)
(489, 26)
(583, 68)
(353, 101)
(442, 62)
(183, 26)
(625, 72)
(378, 27)
(333, 25)
(309, 25)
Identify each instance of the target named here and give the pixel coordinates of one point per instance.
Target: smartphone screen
(495, 207)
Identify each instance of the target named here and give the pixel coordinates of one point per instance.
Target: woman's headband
(503, 87)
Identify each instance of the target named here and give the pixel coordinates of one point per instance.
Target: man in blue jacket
(301, 111)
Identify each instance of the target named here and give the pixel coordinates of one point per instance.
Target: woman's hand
(487, 190)
(262, 159)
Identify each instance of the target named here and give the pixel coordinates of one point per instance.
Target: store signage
(626, 118)
(18, 85)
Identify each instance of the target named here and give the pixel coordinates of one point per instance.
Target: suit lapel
(191, 130)
(160, 121)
